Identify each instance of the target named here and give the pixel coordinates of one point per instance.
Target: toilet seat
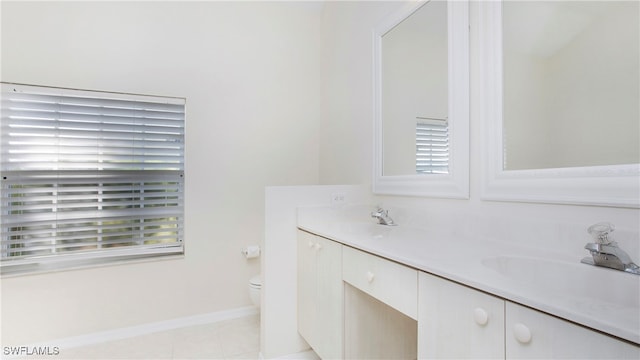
(255, 288)
(256, 282)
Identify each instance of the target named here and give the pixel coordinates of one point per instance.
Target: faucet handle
(600, 232)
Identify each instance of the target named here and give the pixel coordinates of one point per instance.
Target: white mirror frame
(456, 183)
(614, 185)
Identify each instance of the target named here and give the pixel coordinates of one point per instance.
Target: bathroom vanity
(428, 290)
(372, 291)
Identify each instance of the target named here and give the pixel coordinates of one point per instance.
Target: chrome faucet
(605, 252)
(383, 217)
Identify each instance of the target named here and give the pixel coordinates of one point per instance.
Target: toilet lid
(256, 281)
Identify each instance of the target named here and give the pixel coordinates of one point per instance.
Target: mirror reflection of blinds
(432, 146)
(89, 175)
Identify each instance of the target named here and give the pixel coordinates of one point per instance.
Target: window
(89, 177)
(432, 146)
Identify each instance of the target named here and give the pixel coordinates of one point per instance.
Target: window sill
(49, 268)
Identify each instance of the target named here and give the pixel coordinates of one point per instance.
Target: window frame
(144, 204)
(432, 146)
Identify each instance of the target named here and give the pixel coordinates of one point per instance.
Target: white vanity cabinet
(534, 335)
(353, 304)
(458, 322)
(320, 294)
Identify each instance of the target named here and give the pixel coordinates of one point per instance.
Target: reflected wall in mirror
(414, 93)
(421, 77)
(571, 85)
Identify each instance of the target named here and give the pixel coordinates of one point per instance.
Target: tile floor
(229, 339)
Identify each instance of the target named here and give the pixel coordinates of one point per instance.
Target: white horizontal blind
(89, 174)
(432, 146)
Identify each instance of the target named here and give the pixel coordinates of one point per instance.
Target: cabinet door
(532, 334)
(320, 294)
(455, 321)
(329, 300)
(307, 286)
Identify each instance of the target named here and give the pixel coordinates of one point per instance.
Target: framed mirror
(559, 93)
(421, 62)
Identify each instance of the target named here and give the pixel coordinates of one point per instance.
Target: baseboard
(149, 328)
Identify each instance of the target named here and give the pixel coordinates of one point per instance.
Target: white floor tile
(230, 339)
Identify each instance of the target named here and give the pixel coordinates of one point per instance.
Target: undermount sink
(368, 229)
(586, 284)
(371, 230)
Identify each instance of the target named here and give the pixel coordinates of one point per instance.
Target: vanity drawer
(394, 284)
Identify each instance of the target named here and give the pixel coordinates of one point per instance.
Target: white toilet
(255, 284)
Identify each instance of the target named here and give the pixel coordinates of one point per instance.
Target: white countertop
(557, 284)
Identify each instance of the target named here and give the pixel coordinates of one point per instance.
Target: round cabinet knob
(318, 246)
(480, 316)
(522, 333)
(370, 276)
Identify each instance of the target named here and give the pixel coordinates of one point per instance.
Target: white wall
(346, 151)
(346, 131)
(250, 73)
